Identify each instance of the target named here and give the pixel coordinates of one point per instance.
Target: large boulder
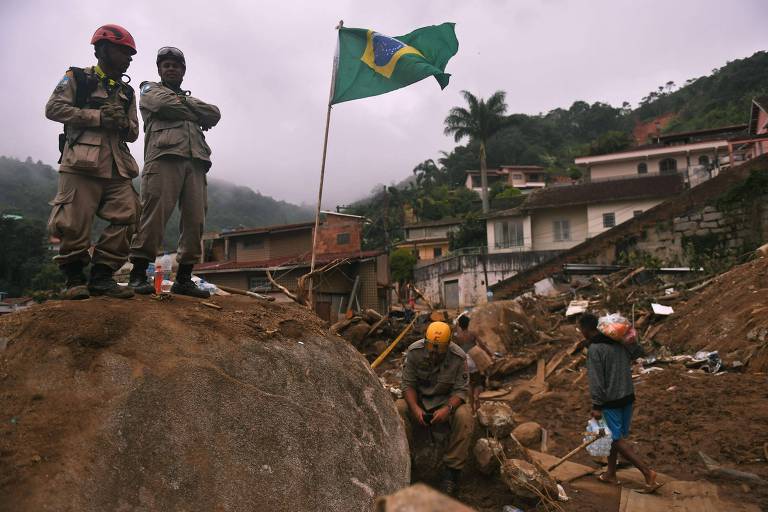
(503, 325)
(139, 405)
(528, 433)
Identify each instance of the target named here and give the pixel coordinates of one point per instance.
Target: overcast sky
(267, 65)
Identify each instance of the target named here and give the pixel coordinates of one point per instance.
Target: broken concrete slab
(496, 417)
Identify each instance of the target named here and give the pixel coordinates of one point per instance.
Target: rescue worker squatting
(435, 380)
(98, 110)
(176, 160)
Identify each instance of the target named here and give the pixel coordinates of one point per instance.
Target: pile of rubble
(537, 405)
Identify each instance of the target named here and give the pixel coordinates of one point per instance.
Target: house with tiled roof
(240, 258)
(696, 155)
(429, 239)
(525, 178)
(557, 218)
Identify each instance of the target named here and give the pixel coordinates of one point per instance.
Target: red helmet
(115, 34)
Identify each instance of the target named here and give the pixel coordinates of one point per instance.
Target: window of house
(342, 238)
(704, 160)
(668, 166)
(508, 233)
(259, 284)
(637, 213)
(517, 177)
(642, 168)
(437, 252)
(609, 220)
(562, 230)
(476, 182)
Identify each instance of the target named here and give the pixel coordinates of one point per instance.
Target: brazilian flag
(369, 63)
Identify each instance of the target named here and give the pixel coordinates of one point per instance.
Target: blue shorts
(618, 420)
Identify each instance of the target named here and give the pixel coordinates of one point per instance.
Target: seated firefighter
(435, 384)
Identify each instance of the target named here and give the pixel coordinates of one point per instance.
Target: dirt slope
(143, 405)
(730, 315)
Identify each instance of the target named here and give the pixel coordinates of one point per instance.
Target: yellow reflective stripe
(101, 74)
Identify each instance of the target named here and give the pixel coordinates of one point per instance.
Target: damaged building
(240, 258)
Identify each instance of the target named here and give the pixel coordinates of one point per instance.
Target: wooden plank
(565, 472)
(635, 476)
(680, 496)
(540, 372)
(554, 363)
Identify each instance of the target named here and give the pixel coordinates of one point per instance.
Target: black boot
(184, 285)
(75, 288)
(449, 483)
(139, 280)
(102, 283)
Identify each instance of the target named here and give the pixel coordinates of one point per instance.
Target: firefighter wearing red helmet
(176, 161)
(98, 110)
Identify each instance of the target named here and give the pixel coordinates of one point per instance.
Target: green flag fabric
(369, 63)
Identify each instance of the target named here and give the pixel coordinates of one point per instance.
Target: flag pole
(311, 298)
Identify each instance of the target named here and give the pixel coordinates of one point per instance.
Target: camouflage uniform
(95, 174)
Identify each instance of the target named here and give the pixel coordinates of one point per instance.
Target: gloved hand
(113, 117)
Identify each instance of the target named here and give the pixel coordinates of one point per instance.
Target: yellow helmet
(438, 336)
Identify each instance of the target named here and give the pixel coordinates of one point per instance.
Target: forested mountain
(26, 187)
(554, 139)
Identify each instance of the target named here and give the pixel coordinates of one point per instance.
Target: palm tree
(483, 119)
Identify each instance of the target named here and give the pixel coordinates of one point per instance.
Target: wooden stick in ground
(629, 277)
(285, 290)
(575, 451)
(375, 326)
(421, 296)
(238, 291)
(392, 345)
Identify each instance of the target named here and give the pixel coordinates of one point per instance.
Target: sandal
(602, 478)
(652, 487)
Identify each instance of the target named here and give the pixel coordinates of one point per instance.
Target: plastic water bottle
(159, 277)
(162, 272)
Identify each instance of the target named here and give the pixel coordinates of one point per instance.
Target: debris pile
(172, 405)
(361, 329)
(701, 378)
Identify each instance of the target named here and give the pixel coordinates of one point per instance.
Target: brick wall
(333, 225)
(368, 294)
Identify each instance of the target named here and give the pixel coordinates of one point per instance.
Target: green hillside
(554, 139)
(26, 187)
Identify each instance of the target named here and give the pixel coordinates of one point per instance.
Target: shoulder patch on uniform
(145, 87)
(62, 83)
